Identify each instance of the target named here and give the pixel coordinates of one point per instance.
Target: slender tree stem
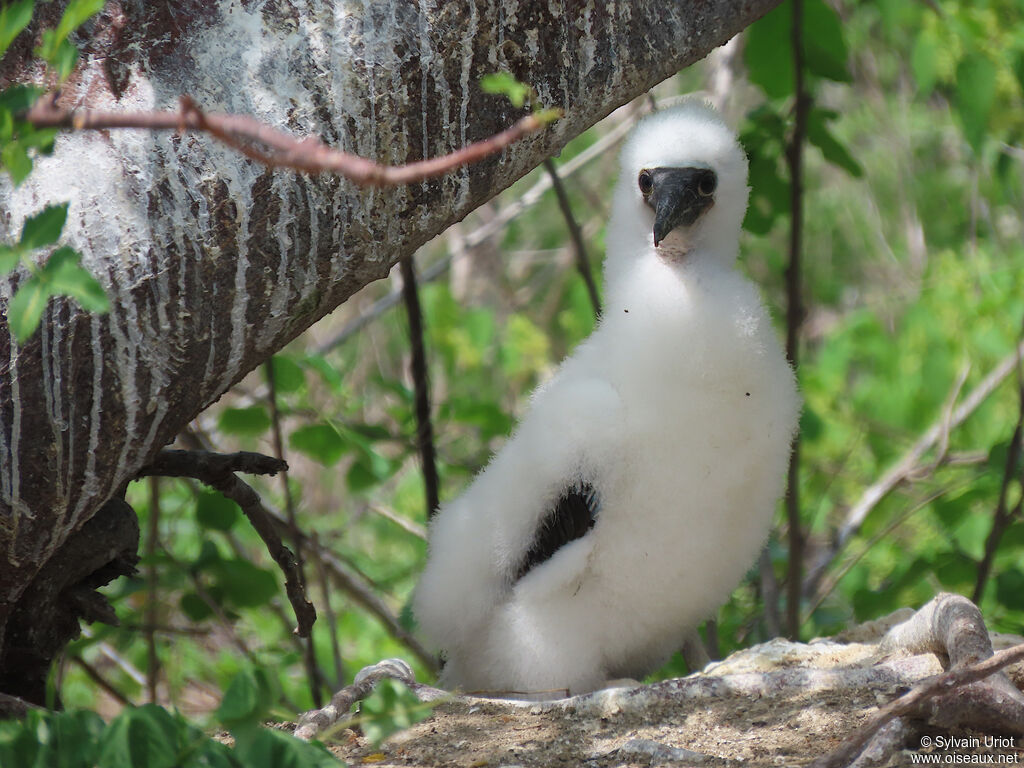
(313, 673)
(795, 314)
(1003, 516)
(421, 382)
(582, 262)
(152, 597)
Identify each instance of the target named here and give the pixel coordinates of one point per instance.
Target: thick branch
(217, 471)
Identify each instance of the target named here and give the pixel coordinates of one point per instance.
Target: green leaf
(270, 748)
(20, 743)
(243, 583)
(392, 707)
(288, 375)
(67, 277)
(504, 84)
(368, 470)
(14, 18)
(825, 52)
(768, 53)
(26, 308)
(248, 698)
(147, 735)
(834, 152)
(955, 571)
(1010, 589)
(193, 606)
(248, 422)
(924, 63)
(215, 511)
(974, 97)
(9, 258)
(44, 228)
(63, 60)
(19, 98)
(76, 14)
(74, 739)
(16, 160)
(320, 442)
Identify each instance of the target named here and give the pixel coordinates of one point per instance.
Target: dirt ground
(776, 704)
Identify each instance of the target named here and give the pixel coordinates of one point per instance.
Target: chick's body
(676, 415)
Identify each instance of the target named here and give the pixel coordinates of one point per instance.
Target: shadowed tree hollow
(212, 262)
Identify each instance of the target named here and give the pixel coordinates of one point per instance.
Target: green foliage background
(914, 282)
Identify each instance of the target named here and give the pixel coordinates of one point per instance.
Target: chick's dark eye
(646, 182)
(707, 184)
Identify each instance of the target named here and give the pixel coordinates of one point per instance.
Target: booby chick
(641, 484)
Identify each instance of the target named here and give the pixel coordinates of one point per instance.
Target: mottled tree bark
(213, 263)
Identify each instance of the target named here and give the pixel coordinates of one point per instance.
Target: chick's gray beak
(678, 196)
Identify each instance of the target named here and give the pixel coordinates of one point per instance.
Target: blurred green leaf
(288, 375)
(67, 277)
(9, 258)
(956, 572)
(14, 17)
(193, 606)
(768, 52)
(243, 583)
(15, 158)
(278, 749)
(146, 735)
(76, 14)
(26, 308)
(391, 708)
(248, 698)
(975, 95)
(1010, 589)
(215, 511)
(924, 60)
(249, 422)
(43, 228)
(320, 442)
(504, 84)
(820, 136)
(824, 46)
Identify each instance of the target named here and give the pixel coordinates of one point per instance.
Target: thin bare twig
(332, 622)
(1003, 516)
(280, 150)
(111, 653)
(421, 385)
(825, 586)
(795, 314)
(485, 231)
(769, 587)
(582, 262)
(152, 598)
(904, 468)
(95, 675)
(417, 530)
(313, 673)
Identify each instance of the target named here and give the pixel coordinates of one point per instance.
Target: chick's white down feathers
(678, 412)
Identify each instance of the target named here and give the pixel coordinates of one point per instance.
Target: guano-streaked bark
(212, 262)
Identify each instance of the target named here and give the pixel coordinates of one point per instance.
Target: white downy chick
(641, 484)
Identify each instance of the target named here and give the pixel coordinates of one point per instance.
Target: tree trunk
(213, 263)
